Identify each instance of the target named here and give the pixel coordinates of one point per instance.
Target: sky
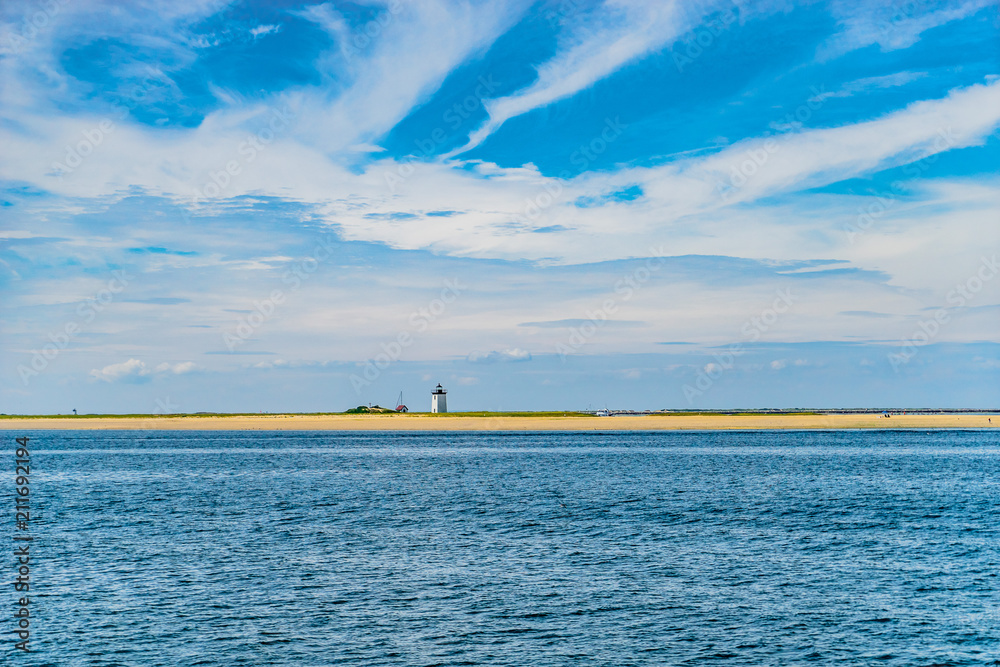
(292, 206)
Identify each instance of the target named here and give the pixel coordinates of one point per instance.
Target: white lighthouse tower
(439, 400)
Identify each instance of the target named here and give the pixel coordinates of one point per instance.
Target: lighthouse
(439, 400)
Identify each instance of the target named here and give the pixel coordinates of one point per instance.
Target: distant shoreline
(695, 421)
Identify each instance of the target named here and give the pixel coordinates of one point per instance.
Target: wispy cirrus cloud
(892, 25)
(598, 44)
(871, 83)
(674, 192)
(381, 82)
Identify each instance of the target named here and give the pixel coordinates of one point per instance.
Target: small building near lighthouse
(439, 399)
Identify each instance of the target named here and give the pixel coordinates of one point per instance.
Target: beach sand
(428, 422)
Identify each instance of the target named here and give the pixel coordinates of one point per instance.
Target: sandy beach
(428, 422)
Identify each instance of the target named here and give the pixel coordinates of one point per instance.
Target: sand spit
(428, 422)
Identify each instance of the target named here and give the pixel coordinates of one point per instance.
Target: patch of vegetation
(370, 410)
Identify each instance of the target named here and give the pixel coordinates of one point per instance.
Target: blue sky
(286, 206)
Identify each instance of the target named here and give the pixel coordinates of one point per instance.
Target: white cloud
(778, 364)
(599, 42)
(508, 354)
(276, 363)
(264, 30)
(384, 79)
(184, 367)
(891, 25)
(17, 234)
(989, 364)
(516, 354)
(131, 370)
(177, 369)
(610, 37)
(135, 370)
(817, 157)
(871, 83)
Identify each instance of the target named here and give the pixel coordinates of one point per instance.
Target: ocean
(677, 548)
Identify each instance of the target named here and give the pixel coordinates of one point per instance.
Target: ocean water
(296, 548)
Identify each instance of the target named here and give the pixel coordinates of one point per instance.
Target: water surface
(305, 548)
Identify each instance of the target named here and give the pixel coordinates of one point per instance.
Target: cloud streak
(611, 36)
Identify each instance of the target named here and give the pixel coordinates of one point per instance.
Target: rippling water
(764, 548)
